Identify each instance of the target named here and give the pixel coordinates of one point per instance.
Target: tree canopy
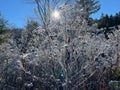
(4, 30)
(88, 6)
(109, 20)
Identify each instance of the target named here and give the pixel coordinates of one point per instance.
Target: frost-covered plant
(66, 56)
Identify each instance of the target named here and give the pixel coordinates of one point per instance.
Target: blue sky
(17, 11)
(108, 7)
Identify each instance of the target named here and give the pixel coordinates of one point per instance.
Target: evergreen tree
(112, 21)
(116, 19)
(108, 21)
(88, 7)
(119, 18)
(101, 21)
(3, 24)
(3, 29)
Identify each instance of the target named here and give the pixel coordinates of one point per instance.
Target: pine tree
(3, 23)
(88, 7)
(112, 21)
(3, 29)
(101, 21)
(117, 19)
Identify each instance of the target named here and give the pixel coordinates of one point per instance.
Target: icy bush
(66, 56)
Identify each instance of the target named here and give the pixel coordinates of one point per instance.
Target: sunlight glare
(56, 15)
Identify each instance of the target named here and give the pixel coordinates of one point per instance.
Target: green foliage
(115, 85)
(4, 31)
(116, 72)
(3, 23)
(4, 36)
(109, 21)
